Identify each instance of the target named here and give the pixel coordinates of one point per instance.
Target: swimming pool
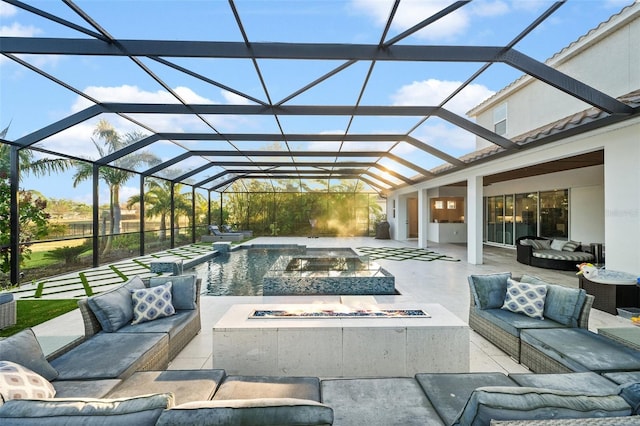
(241, 272)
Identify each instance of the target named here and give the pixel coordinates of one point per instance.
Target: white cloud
(18, 30)
(432, 92)
(447, 138)
(7, 10)
(490, 8)
(233, 99)
(411, 12)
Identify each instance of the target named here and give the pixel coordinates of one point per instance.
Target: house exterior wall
(532, 103)
(605, 200)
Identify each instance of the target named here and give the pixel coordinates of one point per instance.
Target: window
(500, 119)
(447, 210)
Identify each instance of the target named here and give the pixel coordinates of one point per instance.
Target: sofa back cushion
(138, 410)
(527, 403)
(114, 308)
(562, 304)
(259, 411)
(183, 290)
(489, 290)
(23, 348)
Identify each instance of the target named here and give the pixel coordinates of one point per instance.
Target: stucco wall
(609, 62)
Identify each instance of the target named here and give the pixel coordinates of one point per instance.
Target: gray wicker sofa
(113, 348)
(563, 307)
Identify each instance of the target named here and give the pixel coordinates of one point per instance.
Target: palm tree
(32, 217)
(115, 176)
(27, 163)
(157, 201)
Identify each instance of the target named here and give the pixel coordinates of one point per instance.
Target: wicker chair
(506, 341)
(7, 310)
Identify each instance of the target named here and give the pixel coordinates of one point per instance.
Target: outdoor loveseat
(556, 254)
(563, 307)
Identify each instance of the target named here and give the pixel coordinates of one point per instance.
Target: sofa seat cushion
(247, 387)
(265, 411)
(581, 350)
(139, 411)
(6, 297)
(379, 401)
(572, 256)
(23, 348)
(185, 385)
(587, 382)
(525, 403)
(110, 355)
(85, 388)
(171, 325)
(513, 323)
(449, 392)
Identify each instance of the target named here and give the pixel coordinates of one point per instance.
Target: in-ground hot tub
(313, 274)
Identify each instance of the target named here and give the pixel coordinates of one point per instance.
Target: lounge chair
(218, 235)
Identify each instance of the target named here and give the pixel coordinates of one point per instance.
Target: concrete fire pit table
(340, 346)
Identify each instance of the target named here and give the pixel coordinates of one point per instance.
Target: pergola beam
(318, 51)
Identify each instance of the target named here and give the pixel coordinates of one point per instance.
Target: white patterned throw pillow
(152, 303)
(525, 298)
(18, 382)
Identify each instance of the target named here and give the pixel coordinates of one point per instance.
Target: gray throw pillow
(489, 290)
(114, 308)
(571, 245)
(183, 290)
(23, 348)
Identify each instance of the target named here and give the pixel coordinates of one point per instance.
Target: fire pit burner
(384, 313)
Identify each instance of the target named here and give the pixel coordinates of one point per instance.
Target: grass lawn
(34, 312)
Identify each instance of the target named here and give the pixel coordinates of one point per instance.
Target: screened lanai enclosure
(128, 127)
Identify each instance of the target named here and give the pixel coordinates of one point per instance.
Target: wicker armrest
(91, 323)
(524, 253)
(8, 314)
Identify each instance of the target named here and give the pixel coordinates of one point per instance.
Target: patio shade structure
(304, 142)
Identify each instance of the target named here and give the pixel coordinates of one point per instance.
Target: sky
(29, 101)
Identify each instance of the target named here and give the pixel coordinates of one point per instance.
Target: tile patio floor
(418, 281)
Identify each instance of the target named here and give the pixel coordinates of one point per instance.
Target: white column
(474, 220)
(423, 220)
(622, 201)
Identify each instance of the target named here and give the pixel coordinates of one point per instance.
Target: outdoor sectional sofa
(563, 308)
(551, 254)
(154, 396)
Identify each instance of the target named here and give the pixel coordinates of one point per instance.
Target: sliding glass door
(554, 214)
(526, 219)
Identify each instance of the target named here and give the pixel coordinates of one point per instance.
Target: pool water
(240, 272)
